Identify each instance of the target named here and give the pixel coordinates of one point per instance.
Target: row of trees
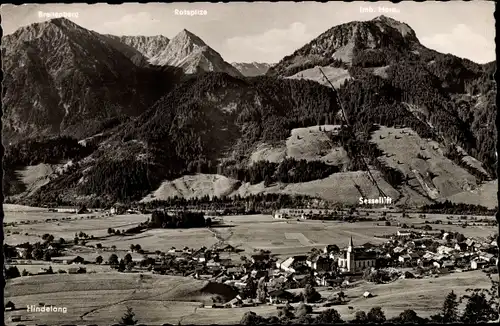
(478, 309)
(183, 219)
(448, 207)
(289, 170)
(234, 205)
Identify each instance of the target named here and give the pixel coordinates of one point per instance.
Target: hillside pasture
(307, 143)
(193, 186)
(402, 145)
(337, 188)
(312, 144)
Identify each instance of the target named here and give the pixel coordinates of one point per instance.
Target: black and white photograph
(251, 163)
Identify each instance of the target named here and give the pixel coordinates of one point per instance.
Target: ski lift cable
(349, 128)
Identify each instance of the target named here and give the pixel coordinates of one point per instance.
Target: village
(413, 252)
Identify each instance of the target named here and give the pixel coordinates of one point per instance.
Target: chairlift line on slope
(339, 103)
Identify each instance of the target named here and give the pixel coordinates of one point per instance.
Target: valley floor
(101, 295)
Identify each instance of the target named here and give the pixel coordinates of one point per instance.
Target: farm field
(282, 237)
(98, 227)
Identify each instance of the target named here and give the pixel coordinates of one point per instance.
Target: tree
(75, 240)
(250, 289)
(376, 315)
(478, 310)
(99, 260)
(113, 260)
(310, 294)
(450, 308)
(286, 312)
(303, 309)
(360, 317)
(250, 318)
(46, 256)
(409, 317)
(110, 231)
(128, 318)
(138, 247)
(12, 272)
(261, 290)
(460, 237)
(330, 316)
(98, 246)
(37, 254)
(121, 266)
(24, 273)
(132, 247)
(127, 258)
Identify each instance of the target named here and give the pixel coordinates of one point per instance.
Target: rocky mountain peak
(402, 28)
(189, 52)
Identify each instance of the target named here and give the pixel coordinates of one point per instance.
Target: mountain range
(99, 118)
(252, 69)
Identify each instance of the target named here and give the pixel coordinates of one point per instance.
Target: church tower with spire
(351, 265)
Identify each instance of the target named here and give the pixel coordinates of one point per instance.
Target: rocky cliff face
(189, 52)
(149, 46)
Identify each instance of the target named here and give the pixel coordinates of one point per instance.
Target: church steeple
(351, 245)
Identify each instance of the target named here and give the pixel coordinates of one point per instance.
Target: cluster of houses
(417, 248)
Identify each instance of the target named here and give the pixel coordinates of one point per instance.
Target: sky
(267, 32)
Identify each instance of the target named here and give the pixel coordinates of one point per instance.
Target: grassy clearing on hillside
(193, 186)
(336, 75)
(304, 143)
(381, 71)
(403, 146)
(485, 195)
(339, 187)
(266, 152)
(32, 174)
(312, 144)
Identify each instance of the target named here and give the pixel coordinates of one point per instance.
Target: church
(356, 259)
